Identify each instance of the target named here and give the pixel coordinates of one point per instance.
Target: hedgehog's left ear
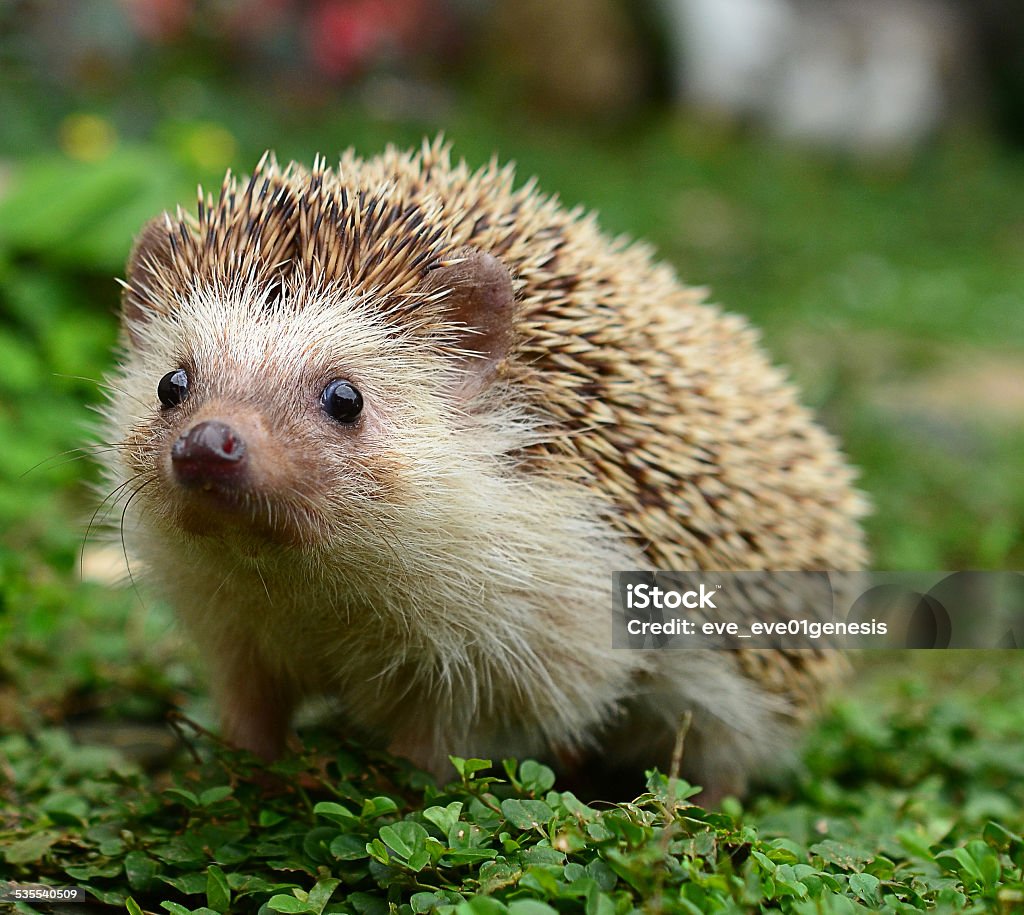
(151, 254)
(477, 296)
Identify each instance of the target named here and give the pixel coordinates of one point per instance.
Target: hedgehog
(385, 429)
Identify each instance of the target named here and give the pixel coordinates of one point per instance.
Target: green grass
(910, 804)
(885, 289)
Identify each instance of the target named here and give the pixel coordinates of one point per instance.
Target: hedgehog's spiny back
(377, 225)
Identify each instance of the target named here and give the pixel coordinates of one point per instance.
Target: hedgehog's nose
(210, 452)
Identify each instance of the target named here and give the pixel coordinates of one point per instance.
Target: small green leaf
(418, 860)
(543, 855)
(378, 806)
(404, 838)
(132, 906)
(31, 849)
(602, 875)
(599, 903)
(866, 887)
(317, 843)
(530, 907)
(212, 795)
(270, 818)
(338, 813)
(378, 851)
(987, 862)
(348, 848)
(526, 814)
(218, 893)
(914, 843)
(536, 777)
(482, 905)
(783, 851)
(622, 825)
(182, 796)
(767, 866)
(1000, 838)
(422, 903)
(843, 854)
(321, 893)
(66, 808)
(367, 904)
(467, 768)
(140, 869)
(444, 818)
(88, 871)
(180, 851)
(287, 904)
(960, 862)
(175, 908)
(191, 884)
(496, 875)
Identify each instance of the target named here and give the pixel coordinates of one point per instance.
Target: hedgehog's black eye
(173, 388)
(342, 401)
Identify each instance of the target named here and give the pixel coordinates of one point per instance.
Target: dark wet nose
(210, 452)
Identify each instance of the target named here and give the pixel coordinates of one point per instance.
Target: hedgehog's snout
(210, 453)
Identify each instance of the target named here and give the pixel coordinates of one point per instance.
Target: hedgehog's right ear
(477, 296)
(151, 254)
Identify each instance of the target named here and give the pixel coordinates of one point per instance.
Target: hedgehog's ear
(477, 296)
(151, 254)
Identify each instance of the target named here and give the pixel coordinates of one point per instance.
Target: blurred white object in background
(726, 50)
(873, 76)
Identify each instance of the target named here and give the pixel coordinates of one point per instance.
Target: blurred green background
(887, 276)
